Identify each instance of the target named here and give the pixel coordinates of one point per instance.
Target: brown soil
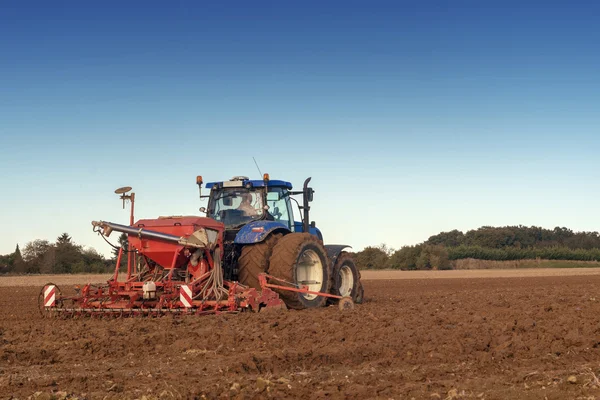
(480, 273)
(60, 279)
(420, 338)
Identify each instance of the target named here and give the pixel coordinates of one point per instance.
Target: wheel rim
(346, 281)
(309, 272)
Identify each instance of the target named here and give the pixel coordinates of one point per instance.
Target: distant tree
(67, 254)
(583, 240)
(35, 249)
(17, 254)
(94, 261)
(6, 264)
(373, 257)
(561, 234)
(405, 258)
(64, 239)
(433, 257)
(12, 262)
(386, 249)
(448, 239)
(33, 255)
(47, 263)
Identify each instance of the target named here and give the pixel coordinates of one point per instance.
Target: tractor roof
(242, 181)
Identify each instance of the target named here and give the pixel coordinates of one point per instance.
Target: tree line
(437, 252)
(60, 257)
(485, 243)
(517, 237)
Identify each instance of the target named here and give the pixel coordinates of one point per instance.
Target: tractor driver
(246, 205)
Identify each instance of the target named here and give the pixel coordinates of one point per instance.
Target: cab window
(236, 206)
(279, 206)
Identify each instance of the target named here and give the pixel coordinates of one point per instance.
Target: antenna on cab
(257, 167)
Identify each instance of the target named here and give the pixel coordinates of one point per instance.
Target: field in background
(472, 263)
(64, 280)
(58, 279)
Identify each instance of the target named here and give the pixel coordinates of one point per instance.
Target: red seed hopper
(177, 270)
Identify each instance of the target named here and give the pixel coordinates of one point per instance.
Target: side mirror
(203, 210)
(310, 194)
(273, 196)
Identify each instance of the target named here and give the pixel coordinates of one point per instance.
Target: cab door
(280, 207)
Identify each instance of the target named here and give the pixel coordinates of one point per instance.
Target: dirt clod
(61, 395)
(262, 384)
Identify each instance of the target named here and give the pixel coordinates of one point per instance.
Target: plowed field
(484, 338)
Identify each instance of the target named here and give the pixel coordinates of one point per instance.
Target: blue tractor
(262, 235)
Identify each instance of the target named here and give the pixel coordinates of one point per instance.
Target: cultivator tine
(115, 313)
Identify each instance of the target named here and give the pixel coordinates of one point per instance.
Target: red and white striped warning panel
(49, 296)
(185, 295)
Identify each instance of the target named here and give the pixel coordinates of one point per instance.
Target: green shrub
(405, 258)
(433, 257)
(514, 253)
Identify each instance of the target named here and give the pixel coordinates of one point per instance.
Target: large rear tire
(254, 260)
(301, 259)
(346, 278)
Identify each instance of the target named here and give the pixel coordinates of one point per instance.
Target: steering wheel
(276, 213)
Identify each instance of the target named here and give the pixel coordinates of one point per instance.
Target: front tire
(301, 259)
(254, 260)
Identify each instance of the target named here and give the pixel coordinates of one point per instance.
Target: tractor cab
(251, 210)
(240, 201)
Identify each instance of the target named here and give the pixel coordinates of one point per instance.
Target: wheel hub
(309, 269)
(346, 281)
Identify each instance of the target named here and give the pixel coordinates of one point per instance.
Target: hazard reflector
(49, 296)
(185, 295)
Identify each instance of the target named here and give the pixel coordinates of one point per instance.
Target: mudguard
(299, 227)
(334, 250)
(316, 232)
(258, 231)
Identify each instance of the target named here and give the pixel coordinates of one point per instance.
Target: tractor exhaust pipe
(307, 198)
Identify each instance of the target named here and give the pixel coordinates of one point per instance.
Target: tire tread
(254, 259)
(285, 254)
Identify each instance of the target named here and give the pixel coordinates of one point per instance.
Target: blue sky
(411, 117)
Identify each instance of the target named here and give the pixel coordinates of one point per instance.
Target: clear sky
(411, 117)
